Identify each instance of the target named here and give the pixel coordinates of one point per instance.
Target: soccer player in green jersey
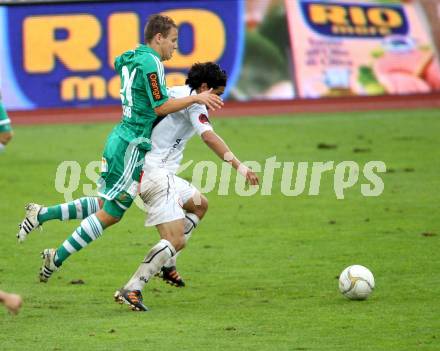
(5, 127)
(144, 98)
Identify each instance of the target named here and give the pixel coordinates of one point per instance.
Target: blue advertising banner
(60, 56)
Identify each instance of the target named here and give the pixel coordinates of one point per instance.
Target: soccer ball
(356, 282)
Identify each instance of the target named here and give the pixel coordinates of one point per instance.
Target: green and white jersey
(5, 122)
(142, 89)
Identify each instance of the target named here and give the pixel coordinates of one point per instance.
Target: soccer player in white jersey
(174, 205)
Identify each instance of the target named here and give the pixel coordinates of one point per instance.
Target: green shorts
(120, 174)
(5, 122)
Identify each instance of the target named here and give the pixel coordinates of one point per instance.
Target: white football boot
(30, 222)
(48, 266)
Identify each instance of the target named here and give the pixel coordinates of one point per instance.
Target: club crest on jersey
(204, 119)
(154, 86)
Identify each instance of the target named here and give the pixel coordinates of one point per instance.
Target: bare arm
(212, 101)
(216, 144)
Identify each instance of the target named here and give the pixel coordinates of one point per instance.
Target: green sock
(89, 230)
(77, 209)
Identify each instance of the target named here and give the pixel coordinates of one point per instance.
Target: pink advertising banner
(343, 48)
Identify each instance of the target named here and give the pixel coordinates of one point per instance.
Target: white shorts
(164, 194)
(185, 190)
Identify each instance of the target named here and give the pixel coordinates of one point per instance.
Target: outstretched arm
(212, 101)
(216, 144)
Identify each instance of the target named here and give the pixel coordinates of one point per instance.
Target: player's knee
(202, 207)
(115, 219)
(5, 137)
(107, 219)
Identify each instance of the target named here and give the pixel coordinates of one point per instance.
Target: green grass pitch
(261, 271)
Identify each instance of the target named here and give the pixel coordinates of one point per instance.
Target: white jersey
(171, 134)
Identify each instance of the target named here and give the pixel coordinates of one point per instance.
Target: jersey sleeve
(154, 75)
(198, 116)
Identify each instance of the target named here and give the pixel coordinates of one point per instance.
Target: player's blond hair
(158, 24)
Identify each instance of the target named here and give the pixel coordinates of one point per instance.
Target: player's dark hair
(209, 73)
(158, 24)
